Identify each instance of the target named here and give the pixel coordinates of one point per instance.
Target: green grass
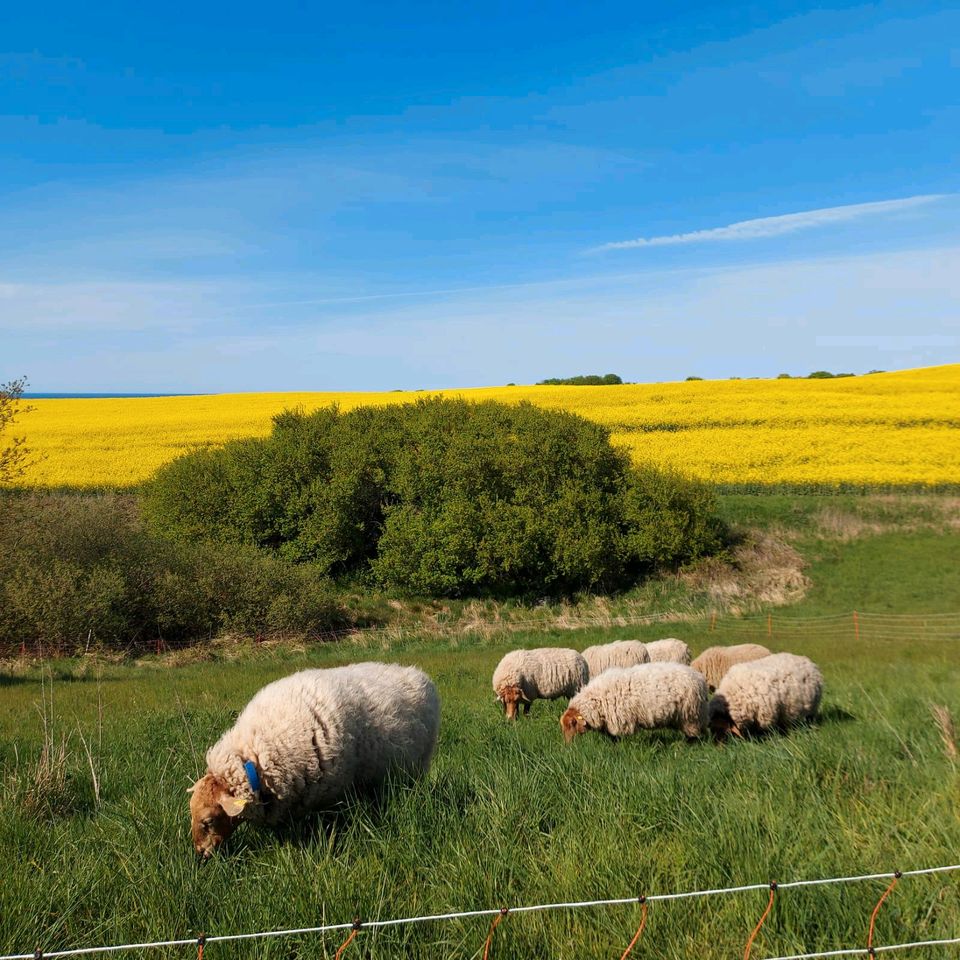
(509, 814)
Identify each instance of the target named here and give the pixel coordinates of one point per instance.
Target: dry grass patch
(762, 569)
(948, 732)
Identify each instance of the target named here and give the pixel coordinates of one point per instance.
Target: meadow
(509, 814)
(887, 429)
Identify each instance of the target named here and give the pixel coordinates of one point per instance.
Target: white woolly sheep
(303, 741)
(714, 662)
(668, 650)
(775, 691)
(623, 700)
(620, 653)
(547, 673)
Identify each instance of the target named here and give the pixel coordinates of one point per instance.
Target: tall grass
(508, 815)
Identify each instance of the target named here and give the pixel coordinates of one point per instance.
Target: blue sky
(373, 196)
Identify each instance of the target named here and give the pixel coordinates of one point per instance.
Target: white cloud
(764, 227)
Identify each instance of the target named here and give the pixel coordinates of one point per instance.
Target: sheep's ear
(232, 806)
(194, 787)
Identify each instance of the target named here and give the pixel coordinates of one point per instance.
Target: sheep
(303, 741)
(620, 653)
(547, 673)
(714, 662)
(774, 691)
(669, 650)
(623, 700)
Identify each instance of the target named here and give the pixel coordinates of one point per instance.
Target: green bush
(440, 497)
(82, 571)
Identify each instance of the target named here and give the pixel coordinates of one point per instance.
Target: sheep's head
(214, 813)
(719, 720)
(572, 723)
(511, 697)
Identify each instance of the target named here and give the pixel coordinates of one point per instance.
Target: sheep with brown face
(620, 653)
(302, 742)
(625, 700)
(714, 662)
(773, 692)
(547, 673)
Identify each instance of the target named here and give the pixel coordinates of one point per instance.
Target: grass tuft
(948, 732)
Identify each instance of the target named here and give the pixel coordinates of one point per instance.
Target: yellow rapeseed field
(890, 428)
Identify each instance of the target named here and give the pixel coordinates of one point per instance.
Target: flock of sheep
(305, 740)
(622, 687)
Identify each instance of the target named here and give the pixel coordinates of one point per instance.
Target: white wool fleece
(623, 700)
(317, 733)
(714, 662)
(620, 653)
(546, 673)
(668, 650)
(774, 691)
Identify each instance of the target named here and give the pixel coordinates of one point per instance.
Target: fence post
(856, 626)
(769, 626)
(713, 620)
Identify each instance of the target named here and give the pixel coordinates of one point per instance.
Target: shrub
(82, 571)
(670, 518)
(440, 497)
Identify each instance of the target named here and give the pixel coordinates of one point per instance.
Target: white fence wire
(40, 954)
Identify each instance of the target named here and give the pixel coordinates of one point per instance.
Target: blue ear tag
(253, 778)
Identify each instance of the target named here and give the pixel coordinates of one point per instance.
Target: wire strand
(756, 929)
(876, 909)
(493, 926)
(643, 923)
(854, 951)
(467, 914)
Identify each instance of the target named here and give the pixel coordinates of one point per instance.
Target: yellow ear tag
(233, 806)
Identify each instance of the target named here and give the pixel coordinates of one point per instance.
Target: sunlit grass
(508, 815)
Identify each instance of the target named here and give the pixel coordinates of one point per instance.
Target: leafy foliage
(584, 380)
(14, 453)
(79, 572)
(440, 497)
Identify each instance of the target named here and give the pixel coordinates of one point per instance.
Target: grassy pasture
(509, 814)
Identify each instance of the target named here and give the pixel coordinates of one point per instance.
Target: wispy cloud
(764, 227)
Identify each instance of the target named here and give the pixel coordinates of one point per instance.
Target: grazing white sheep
(303, 741)
(620, 653)
(775, 691)
(714, 662)
(623, 700)
(546, 673)
(668, 650)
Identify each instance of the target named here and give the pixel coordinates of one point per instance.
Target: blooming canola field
(884, 429)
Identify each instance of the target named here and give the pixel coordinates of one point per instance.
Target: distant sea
(103, 396)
